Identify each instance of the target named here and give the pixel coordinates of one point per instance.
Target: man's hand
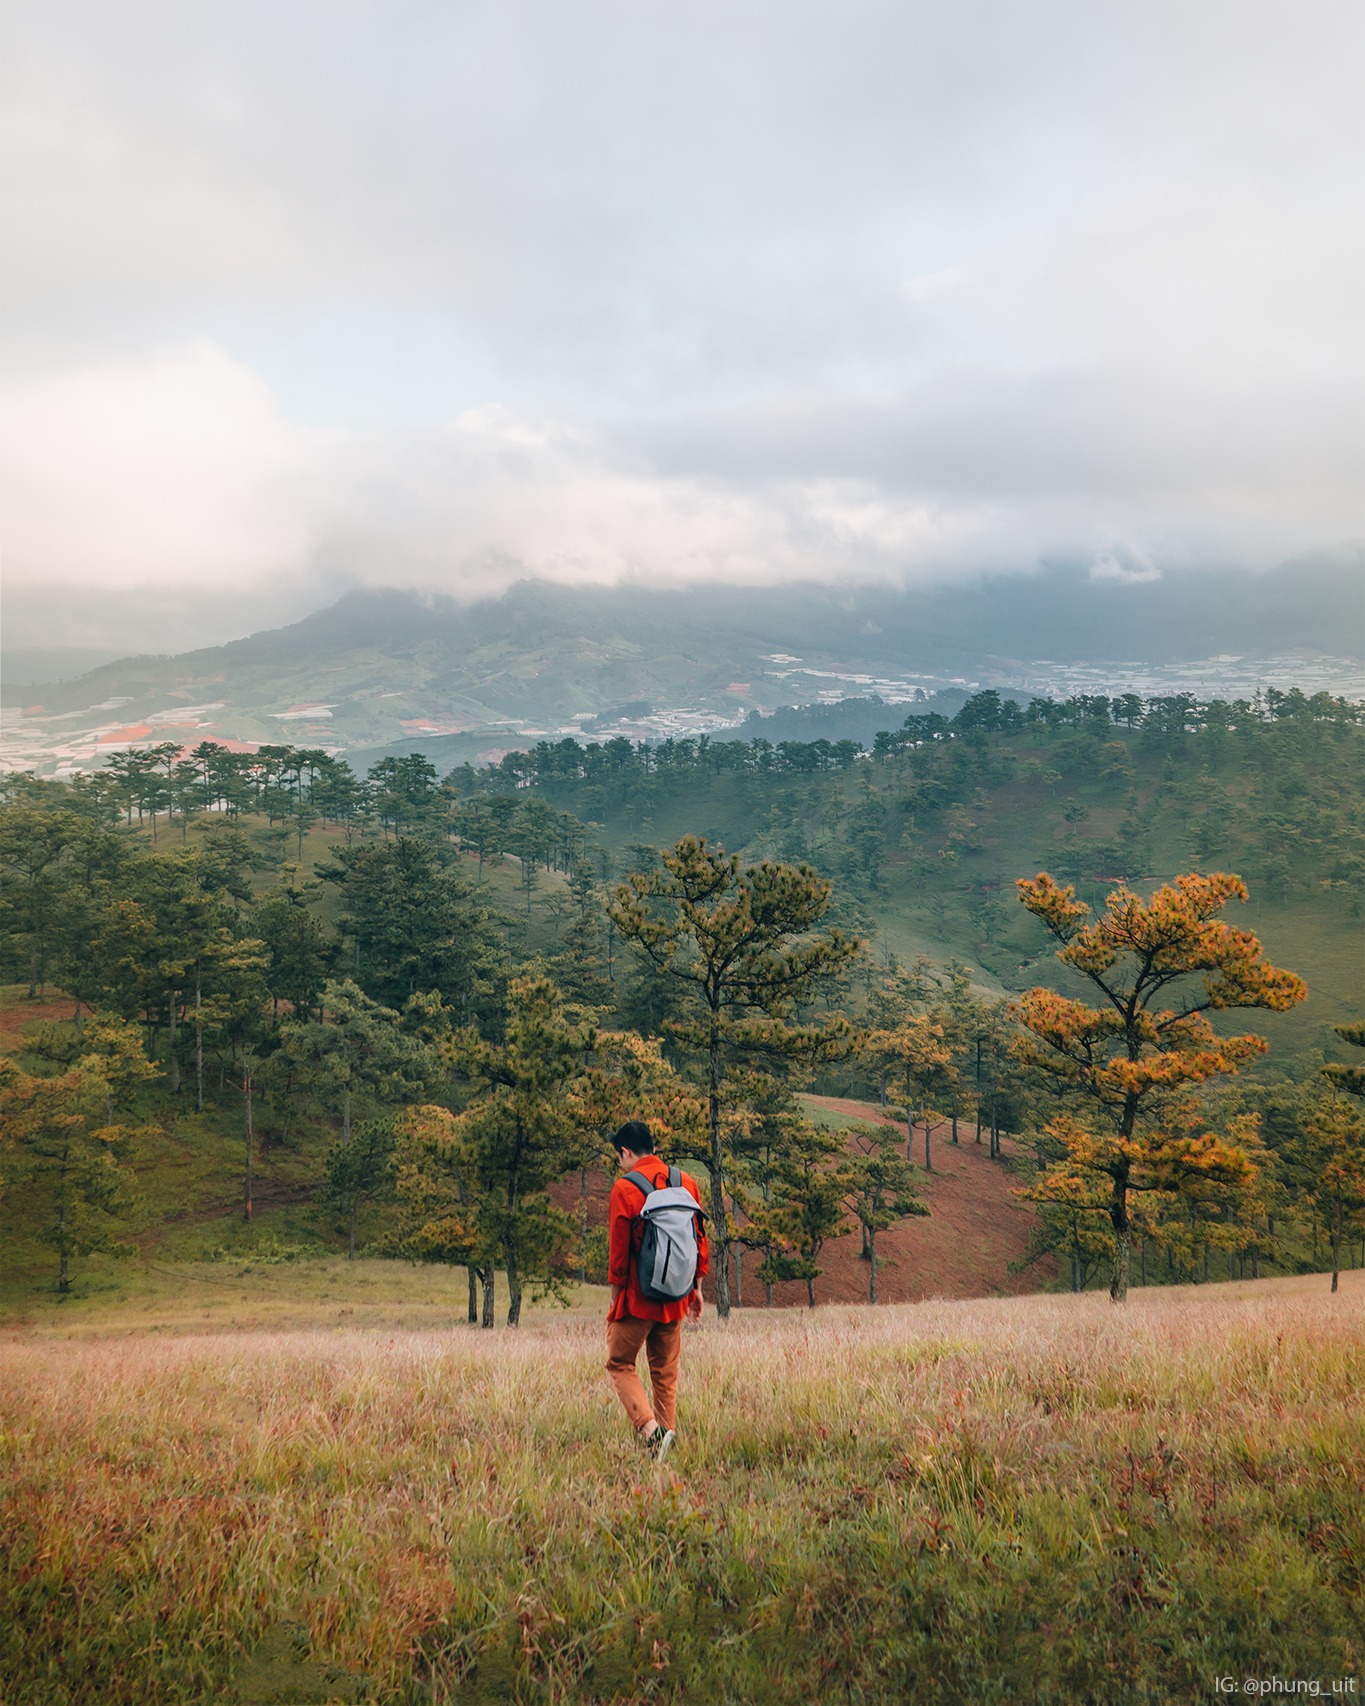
(616, 1292)
(694, 1306)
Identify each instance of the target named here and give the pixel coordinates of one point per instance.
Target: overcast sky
(317, 293)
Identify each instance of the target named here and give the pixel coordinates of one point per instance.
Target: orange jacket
(624, 1235)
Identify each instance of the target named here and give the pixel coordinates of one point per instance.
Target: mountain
(379, 669)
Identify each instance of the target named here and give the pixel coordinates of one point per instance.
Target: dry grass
(250, 1295)
(1025, 1499)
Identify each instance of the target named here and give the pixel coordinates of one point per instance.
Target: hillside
(377, 670)
(924, 842)
(192, 1170)
(341, 932)
(975, 1230)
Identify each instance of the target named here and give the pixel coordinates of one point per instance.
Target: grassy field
(1017, 1500)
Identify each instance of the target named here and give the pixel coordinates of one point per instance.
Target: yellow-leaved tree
(1130, 1063)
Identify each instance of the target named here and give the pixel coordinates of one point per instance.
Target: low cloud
(176, 472)
(306, 297)
(179, 485)
(1124, 567)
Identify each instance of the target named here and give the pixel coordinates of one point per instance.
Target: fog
(307, 296)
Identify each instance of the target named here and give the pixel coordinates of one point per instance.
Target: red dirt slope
(16, 1018)
(975, 1228)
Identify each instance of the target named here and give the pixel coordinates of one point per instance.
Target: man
(635, 1320)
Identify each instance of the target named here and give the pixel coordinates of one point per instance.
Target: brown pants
(662, 1341)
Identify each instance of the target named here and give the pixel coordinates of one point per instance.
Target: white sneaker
(661, 1443)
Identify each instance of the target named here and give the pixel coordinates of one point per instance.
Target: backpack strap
(641, 1183)
(675, 1177)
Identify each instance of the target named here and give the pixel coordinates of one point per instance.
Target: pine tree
(301, 947)
(413, 923)
(360, 1172)
(518, 1134)
(810, 1183)
(68, 1152)
(359, 1053)
(743, 940)
(880, 1189)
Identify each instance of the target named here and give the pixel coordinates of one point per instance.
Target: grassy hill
(923, 844)
(193, 1253)
(1021, 1502)
(925, 847)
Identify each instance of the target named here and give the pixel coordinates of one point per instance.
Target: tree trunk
(871, 1264)
(198, 1042)
(489, 1277)
(473, 1273)
(63, 1245)
(582, 1225)
(928, 1128)
(1336, 1241)
(810, 1290)
(1118, 1216)
(246, 1099)
(954, 1128)
(513, 1283)
(175, 1058)
(350, 1246)
(346, 1114)
(718, 1222)
(978, 1089)
(739, 1275)
(509, 1246)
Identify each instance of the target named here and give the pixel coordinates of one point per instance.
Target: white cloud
(183, 475)
(1127, 569)
(175, 472)
(434, 293)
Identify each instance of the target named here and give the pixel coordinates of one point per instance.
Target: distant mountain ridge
(1313, 602)
(383, 668)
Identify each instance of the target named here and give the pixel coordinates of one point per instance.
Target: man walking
(635, 1319)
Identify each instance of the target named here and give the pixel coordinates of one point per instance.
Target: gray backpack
(667, 1263)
